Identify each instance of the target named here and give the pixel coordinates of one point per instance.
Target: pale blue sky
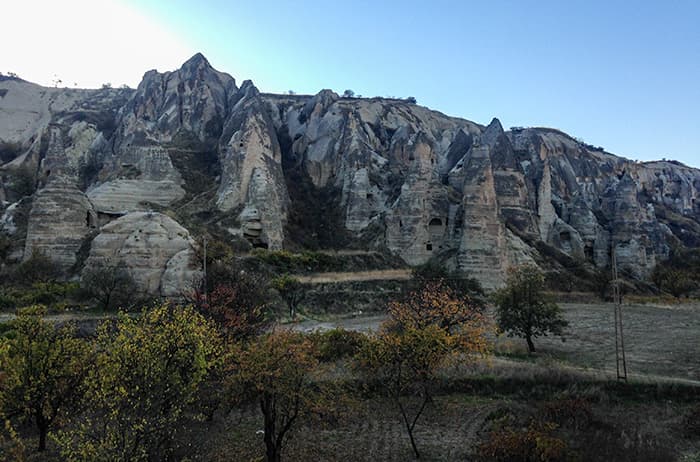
(621, 74)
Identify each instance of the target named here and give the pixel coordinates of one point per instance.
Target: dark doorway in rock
(435, 228)
(428, 246)
(260, 245)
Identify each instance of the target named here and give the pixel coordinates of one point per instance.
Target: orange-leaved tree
(425, 333)
(275, 371)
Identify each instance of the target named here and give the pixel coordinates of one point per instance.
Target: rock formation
(158, 252)
(241, 165)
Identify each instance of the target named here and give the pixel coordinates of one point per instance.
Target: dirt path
(372, 275)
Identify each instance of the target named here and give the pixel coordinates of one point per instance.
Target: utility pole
(205, 269)
(620, 359)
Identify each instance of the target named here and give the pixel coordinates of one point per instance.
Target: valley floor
(661, 341)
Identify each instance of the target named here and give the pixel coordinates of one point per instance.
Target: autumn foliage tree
(424, 333)
(145, 386)
(275, 372)
(523, 309)
(237, 300)
(43, 368)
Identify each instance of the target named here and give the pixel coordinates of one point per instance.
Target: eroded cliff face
(399, 176)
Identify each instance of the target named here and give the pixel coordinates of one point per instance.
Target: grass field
(660, 340)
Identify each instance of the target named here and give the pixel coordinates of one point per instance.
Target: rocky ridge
(262, 170)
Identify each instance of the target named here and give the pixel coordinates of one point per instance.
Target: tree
(275, 372)
(148, 372)
(461, 284)
(241, 313)
(677, 282)
(111, 286)
(348, 94)
(522, 309)
(411, 100)
(238, 300)
(423, 334)
(37, 268)
(291, 290)
(43, 369)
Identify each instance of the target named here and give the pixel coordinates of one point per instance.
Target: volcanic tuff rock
(158, 251)
(388, 174)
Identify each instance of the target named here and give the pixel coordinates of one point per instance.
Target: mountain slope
(279, 171)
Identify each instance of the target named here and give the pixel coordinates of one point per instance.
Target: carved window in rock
(429, 246)
(436, 229)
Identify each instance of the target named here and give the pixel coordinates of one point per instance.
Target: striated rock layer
(158, 252)
(250, 167)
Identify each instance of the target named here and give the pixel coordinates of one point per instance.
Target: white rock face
(60, 219)
(158, 252)
(252, 178)
(382, 173)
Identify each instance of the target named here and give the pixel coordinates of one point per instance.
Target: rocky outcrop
(181, 109)
(397, 176)
(251, 177)
(158, 252)
(60, 220)
(194, 99)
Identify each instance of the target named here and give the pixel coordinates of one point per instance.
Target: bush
(535, 442)
(574, 413)
(37, 268)
(459, 282)
(52, 294)
(23, 182)
(110, 286)
(9, 151)
(338, 343)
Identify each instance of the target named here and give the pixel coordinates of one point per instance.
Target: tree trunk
(413, 444)
(42, 439)
(530, 345)
(272, 451)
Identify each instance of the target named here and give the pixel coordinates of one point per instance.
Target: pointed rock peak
(495, 125)
(248, 89)
(196, 61)
(492, 132)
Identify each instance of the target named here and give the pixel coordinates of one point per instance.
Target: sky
(619, 74)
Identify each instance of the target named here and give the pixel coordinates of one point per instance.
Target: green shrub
(37, 268)
(338, 343)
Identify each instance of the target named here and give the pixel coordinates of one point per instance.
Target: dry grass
(373, 275)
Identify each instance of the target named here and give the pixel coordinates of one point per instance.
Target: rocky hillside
(95, 177)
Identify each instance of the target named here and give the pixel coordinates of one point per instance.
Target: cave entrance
(435, 228)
